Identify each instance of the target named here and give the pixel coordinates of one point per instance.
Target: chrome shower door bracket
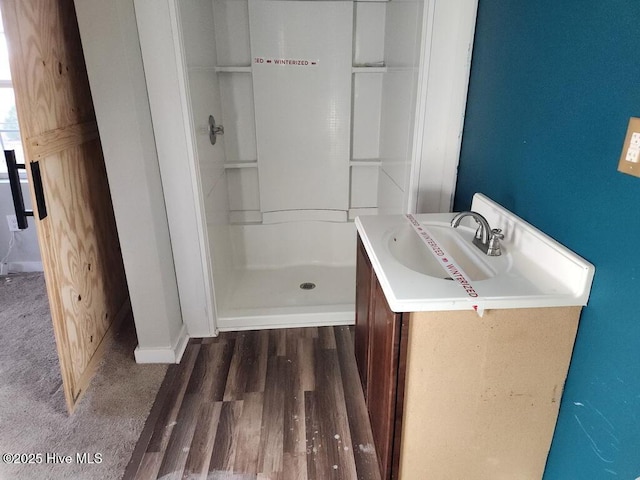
(214, 130)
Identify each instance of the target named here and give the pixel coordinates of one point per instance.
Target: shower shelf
(251, 164)
(369, 69)
(201, 68)
(374, 162)
(233, 69)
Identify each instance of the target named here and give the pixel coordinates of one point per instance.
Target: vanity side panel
(400, 392)
(482, 394)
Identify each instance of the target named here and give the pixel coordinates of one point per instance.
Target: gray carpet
(33, 417)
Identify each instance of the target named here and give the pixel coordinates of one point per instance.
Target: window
(9, 130)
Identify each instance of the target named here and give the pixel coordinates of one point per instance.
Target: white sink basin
(408, 249)
(533, 271)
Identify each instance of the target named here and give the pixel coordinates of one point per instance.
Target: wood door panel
(78, 236)
(383, 377)
(49, 64)
(78, 240)
(364, 279)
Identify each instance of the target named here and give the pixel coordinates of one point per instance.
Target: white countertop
(534, 270)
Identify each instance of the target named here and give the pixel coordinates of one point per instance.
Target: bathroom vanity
(461, 386)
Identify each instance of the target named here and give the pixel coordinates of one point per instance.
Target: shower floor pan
(305, 295)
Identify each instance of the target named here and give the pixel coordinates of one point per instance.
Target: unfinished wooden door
(81, 256)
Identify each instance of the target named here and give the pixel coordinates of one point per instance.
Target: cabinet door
(384, 353)
(364, 280)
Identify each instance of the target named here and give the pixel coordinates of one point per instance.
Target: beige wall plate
(630, 157)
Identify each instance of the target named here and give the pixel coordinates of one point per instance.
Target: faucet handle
(494, 242)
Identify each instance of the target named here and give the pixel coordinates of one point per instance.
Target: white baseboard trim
(21, 267)
(164, 355)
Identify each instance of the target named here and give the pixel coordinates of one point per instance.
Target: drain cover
(307, 286)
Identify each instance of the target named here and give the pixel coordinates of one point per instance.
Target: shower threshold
(287, 297)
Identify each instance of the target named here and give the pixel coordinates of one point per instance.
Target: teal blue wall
(553, 85)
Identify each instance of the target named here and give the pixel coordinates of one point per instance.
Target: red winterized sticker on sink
(447, 262)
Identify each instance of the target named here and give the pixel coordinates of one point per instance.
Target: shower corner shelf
(242, 164)
(201, 68)
(365, 162)
(367, 69)
(233, 69)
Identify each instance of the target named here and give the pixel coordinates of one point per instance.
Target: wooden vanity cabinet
(365, 278)
(378, 339)
(451, 394)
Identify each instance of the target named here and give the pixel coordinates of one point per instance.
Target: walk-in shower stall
(317, 103)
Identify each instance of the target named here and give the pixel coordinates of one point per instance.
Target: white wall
(168, 93)
(112, 53)
(449, 45)
(25, 254)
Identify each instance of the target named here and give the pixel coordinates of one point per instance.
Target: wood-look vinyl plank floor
(260, 405)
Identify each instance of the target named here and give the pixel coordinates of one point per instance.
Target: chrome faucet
(486, 239)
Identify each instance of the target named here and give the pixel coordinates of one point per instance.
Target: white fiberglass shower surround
(323, 106)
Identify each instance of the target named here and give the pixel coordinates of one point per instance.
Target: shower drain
(307, 286)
